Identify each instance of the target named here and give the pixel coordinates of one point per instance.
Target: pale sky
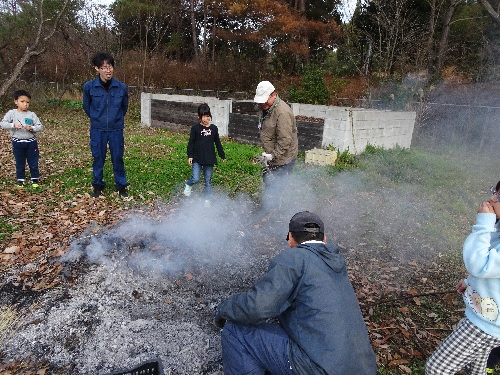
(349, 6)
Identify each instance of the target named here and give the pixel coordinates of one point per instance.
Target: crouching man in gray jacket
(321, 329)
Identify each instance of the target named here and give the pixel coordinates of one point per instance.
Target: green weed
(313, 89)
(345, 160)
(156, 166)
(6, 229)
(64, 103)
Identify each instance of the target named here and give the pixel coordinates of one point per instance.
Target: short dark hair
(100, 57)
(19, 93)
(497, 187)
(203, 110)
(300, 237)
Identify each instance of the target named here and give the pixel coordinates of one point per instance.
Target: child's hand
(190, 161)
(486, 207)
(18, 126)
(28, 128)
(461, 286)
(223, 160)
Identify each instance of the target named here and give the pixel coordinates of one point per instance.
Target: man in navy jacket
(105, 101)
(321, 329)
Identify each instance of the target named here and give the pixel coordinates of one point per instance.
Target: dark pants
(277, 172)
(255, 350)
(99, 141)
(26, 152)
(494, 357)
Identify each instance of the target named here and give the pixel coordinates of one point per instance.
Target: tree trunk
(430, 39)
(37, 48)
(443, 43)
(193, 28)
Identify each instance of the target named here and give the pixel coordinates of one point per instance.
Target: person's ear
(291, 241)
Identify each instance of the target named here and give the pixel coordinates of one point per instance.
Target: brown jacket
(278, 134)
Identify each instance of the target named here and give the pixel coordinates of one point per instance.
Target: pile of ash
(148, 288)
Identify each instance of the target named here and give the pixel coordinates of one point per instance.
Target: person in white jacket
(469, 345)
(494, 357)
(23, 126)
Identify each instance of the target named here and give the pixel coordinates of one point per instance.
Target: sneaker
(35, 185)
(123, 192)
(187, 190)
(97, 191)
(20, 184)
(489, 370)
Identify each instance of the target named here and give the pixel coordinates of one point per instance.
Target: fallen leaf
(404, 310)
(12, 250)
(405, 369)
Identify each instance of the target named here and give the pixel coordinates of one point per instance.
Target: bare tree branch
(492, 12)
(37, 47)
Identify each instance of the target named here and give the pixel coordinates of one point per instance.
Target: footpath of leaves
(405, 323)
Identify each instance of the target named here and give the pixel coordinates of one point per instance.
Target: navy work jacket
(106, 109)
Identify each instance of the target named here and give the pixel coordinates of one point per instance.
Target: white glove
(268, 157)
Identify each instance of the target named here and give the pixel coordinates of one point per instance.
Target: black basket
(153, 367)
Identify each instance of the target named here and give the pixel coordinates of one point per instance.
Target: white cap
(264, 89)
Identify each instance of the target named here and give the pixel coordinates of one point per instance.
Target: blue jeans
(208, 170)
(99, 141)
(253, 350)
(26, 152)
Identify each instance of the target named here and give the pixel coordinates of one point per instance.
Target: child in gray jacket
(23, 125)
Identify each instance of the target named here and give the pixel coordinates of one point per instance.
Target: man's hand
(266, 156)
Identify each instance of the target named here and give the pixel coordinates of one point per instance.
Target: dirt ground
(147, 287)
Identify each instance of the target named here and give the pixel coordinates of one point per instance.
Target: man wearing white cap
(278, 130)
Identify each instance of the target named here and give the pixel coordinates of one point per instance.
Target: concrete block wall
(220, 109)
(355, 128)
(317, 111)
(344, 127)
(387, 129)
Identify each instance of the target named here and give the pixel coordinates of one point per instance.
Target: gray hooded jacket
(308, 290)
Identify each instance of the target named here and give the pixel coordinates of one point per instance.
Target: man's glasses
(108, 68)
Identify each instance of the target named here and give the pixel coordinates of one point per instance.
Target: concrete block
(319, 156)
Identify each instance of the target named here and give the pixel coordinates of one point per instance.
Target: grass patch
(6, 229)
(155, 159)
